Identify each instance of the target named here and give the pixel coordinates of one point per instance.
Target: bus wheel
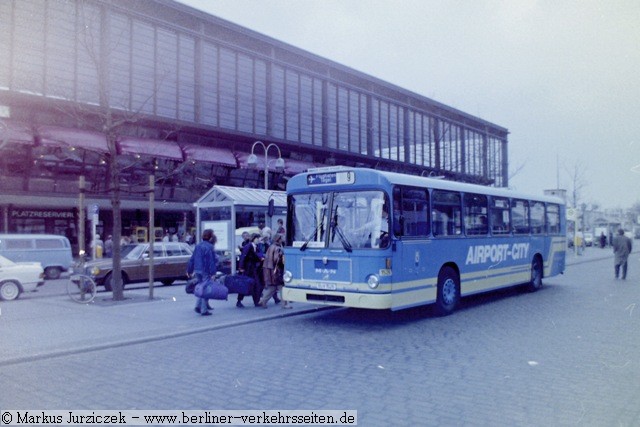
(448, 291)
(536, 275)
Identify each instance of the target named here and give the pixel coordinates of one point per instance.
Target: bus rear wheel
(536, 275)
(448, 291)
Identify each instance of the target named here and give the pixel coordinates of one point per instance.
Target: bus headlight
(373, 281)
(287, 276)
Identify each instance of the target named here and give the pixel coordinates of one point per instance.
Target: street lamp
(253, 160)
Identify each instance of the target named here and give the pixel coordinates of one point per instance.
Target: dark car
(169, 261)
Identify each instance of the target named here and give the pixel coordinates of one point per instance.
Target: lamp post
(253, 160)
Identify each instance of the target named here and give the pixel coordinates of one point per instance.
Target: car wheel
(167, 282)
(448, 291)
(536, 275)
(108, 282)
(52, 273)
(9, 290)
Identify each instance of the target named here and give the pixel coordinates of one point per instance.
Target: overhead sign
(331, 178)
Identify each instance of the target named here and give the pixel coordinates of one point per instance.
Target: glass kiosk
(229, 211)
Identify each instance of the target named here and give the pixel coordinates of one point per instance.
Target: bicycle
(80, 287)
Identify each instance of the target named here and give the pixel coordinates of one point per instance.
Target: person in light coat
(272, 270)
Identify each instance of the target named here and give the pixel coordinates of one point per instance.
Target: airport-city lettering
(497, 253)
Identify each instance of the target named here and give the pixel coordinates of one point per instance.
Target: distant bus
(380, 240)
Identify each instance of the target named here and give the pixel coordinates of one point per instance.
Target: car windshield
(126, 249)
(4, 262)
(135, 252)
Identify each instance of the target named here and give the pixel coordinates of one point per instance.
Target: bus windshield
(346, 220)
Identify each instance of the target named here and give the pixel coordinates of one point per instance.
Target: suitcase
(239, 284)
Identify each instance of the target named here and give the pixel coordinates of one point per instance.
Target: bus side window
(537, 217)
(447, 213)
(440, 223)
(553, 219)
(413, 203)
(475, 214)
(520, 216)
(500, 216)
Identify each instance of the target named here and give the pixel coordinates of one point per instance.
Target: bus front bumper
(379, 301)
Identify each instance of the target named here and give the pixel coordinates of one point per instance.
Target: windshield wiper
(334, 227)
(314, 234)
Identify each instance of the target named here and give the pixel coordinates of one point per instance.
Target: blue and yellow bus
(381, 240)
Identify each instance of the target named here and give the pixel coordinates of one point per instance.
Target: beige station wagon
(169, 261)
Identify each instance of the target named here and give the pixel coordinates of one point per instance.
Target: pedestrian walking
(97, 246)
(202, 265)
(108, 247)
(281, 230)
(250, 261)
(621, 248)
(272, 270)
(603, 240)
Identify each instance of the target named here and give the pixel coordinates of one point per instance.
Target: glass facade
(152, 66)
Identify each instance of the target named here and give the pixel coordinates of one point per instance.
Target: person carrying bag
(202, 265)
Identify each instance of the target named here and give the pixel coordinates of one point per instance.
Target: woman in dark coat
(250, 262)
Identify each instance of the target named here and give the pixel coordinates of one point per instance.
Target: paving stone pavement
(43, 327)
(506, 358)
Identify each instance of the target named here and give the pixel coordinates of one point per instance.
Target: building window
(228, 84)
(209, 85)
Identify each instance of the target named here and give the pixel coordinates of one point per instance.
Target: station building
(159, 88)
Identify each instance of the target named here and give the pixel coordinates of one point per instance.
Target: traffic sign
(92, 210)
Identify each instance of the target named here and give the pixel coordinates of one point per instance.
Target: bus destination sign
(331, 178)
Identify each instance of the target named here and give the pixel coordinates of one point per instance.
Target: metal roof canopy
(221, 195)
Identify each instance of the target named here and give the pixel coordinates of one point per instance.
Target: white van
(50, 250)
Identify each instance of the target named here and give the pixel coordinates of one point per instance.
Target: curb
(157, 337)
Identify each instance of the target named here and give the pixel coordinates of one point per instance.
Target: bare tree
(516, 169)
(578, 176)
(96, 46)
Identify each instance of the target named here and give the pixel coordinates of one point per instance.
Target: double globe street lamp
(252, 161)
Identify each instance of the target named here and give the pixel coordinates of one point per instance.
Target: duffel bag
(239, 284)
(211, 289)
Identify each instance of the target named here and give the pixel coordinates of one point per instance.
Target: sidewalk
(44, 327)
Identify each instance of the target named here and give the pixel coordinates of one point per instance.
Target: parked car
(588, 239)
(19, 277)
(50, 250)
(169, 261)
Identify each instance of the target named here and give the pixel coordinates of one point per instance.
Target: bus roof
(375, 177)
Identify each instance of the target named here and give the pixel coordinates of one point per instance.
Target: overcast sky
(562, 76)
